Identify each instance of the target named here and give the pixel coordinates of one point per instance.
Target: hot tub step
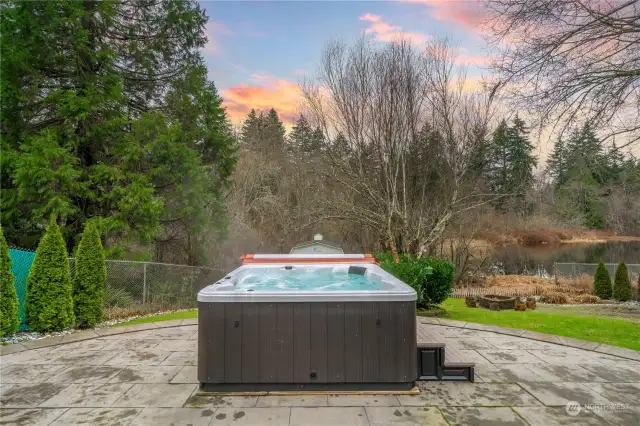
(456, 367)
(436, 361)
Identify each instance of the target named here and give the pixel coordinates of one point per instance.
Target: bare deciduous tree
(572, 60)
(411, 128)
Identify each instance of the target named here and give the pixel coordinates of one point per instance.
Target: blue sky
(259, 51)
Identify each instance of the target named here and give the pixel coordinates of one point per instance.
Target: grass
(611, 331)
(193, 313)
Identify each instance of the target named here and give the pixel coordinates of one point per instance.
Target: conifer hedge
(602, 282)
(9, 321)
(621, 283)
(88, 282)
(49, 301)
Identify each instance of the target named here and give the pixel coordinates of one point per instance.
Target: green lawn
(193, 313)
(612, 331)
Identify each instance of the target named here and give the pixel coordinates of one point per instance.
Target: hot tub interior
(306, 278)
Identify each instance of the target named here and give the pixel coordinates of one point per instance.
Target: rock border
(543, 337)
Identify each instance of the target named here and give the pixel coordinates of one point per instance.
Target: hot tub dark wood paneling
(306, 345)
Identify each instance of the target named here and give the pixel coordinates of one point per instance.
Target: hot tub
(312, 322)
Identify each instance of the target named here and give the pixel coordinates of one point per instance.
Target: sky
(259, 51)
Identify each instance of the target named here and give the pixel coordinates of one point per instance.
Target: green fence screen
(21, 261)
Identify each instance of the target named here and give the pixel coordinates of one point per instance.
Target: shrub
(431, 278)
(602, 282)
(49, 301)
(621, 283)
(586, 298)
(554, 297)
(88, 283)
(9, 321)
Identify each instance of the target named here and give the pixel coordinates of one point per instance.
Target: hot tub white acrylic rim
(400, 292)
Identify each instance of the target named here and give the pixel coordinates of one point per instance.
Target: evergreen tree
(557, 164)
(511, 161)
(522, 159)
(340, 147)
(9, 321)
(499, 163)
(252, 129)
(580, 171)
(49, 302)
(102, 102)
(90, 274)
(301, 135)
(614, 165)
(317, 141)
(621, 283)
(602, 282)
(273, 133)
(584, 150)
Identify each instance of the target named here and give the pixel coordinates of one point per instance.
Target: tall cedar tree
(107, 111)
(602, 282)
(49, 303)
(9, 321)
(90, 275)
(621, 283)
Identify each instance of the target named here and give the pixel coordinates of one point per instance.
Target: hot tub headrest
(357, 270)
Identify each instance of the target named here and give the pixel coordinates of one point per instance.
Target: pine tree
(49, 302)
(602, 282)
(90, 275)
(622, 284)
(9, 320)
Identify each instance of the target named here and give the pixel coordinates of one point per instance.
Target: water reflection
(534, 260)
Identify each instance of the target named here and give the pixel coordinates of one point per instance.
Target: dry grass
(554, 297)
(586, 298)
(564, 290)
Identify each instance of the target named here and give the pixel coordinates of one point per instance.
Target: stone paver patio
(148, 377)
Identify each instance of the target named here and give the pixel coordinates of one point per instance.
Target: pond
(540, 259)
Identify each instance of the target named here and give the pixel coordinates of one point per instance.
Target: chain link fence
(131, 288)
(576, 270)
(137, 288)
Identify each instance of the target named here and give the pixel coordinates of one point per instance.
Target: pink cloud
(468, 13)
(214, 30)
(465, 57)
(268, 92)
(383, 31)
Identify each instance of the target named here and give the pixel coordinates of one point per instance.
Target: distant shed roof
(320, 242)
